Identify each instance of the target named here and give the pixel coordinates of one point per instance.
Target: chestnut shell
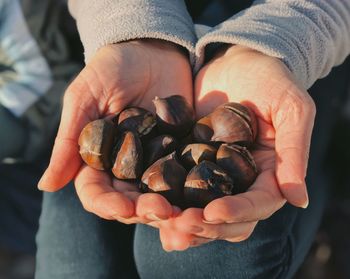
(165, 177)
(234, 123)
(203, 130)
(128, 157)
(205, 183)
(175, 116)
(96, 142)
(239, 164)
(158, 147)
(193, 154)
(136, 119)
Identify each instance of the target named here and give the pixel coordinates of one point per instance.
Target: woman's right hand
(120, 75)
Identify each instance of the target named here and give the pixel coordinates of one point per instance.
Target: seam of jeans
(289, 249)
(289, 258)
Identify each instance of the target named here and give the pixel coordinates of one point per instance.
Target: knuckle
(310, 105)
(69, 95)
(294, 104)
(295, 100)
(245, 235)
(125, 221)
(242, 237)
(300, 103)
(84, 199)
(151, 198)
(86, 206)
(225, 207)
(213, 233)
(95, 203)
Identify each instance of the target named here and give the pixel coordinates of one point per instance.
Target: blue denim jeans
(75, 244)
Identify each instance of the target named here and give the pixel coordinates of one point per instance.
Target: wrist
(158, 44)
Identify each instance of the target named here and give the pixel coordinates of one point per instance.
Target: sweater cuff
(309, 38)
(103, 22)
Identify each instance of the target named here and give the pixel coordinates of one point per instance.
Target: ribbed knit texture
(310, 37)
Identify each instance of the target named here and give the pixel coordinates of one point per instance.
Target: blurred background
(40, 52)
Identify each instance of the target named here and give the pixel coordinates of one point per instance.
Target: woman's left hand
(285, 114)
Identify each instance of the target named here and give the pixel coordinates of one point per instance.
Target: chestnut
(128, 157)
(136, 119)
(166, 177)
(205, 183)
(96, 142)
(203, 130)
(194, 153)
(158, 147)
(239, 164)
(234, 123)
(175, 116)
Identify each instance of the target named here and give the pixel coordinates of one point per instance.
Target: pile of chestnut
(189, 163)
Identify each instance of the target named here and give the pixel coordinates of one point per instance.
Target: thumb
(79, 108)
(293, 122)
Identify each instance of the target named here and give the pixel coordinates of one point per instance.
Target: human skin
(285, 114)
(133, 73)
(126, 74)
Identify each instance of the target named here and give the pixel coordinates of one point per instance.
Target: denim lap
(75, 244)
(276, 249)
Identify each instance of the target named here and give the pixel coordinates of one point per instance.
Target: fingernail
(212, 222)
(40, 183)
(305, 200)
(154, 217)
(167, 249)
(305, 205)
(199, 241)
(196, 229)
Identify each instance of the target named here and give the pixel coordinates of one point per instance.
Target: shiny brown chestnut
(96, 142)
(175, 116)
(239, 164)
(158, 147)
(234, 123)
(195, 153)
(128, 157)
(203, 130)
(136, 119)
(205, 183)
(165, 177)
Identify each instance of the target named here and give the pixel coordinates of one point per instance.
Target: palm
(285, 117)
(131, 74)
(126, 74)
(284, 111)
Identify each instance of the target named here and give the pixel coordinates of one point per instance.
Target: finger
(78, 110)
(236, 232)
(191, 222)
(97, 196)
(172, 240)
(260, 202)
(153, 207)
(149, 207)
(125, 186)
(136, 220)
(293, 122)
(199, 241)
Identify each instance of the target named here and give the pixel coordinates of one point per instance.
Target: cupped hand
(126, 74)
(285, 114)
